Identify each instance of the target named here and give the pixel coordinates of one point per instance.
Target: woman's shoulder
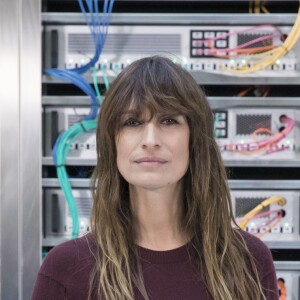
(260, 252)
(64, 259)
(254, 244)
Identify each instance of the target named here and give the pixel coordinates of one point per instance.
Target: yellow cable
(270, 57)
(276, 199)
(257, 7)
(264, 9)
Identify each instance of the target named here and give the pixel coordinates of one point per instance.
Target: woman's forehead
(148, 114)
(144, 107)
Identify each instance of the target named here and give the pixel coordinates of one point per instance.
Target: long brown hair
(156, 83)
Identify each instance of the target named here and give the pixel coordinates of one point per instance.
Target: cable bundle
(60, 153)
(256, 213)
(240, 50)
(81, 83)
(256, 6)
(98, 28)
(265, 59)
(258, 58)
(268, 145)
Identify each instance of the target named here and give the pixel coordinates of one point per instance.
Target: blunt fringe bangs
(159, 85)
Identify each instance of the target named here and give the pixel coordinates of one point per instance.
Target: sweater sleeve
(265, 265)
(269, 283)
(47, 288)
(269, 277)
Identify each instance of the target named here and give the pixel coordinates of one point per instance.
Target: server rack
(210, 80)
(21, 237)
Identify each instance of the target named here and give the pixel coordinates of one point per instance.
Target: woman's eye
(132, 123)
(169, 122)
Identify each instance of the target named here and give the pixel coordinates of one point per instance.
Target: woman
(162, 213)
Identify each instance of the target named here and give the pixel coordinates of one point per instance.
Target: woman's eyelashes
(132, 122)
(169, 121)
(135, 122)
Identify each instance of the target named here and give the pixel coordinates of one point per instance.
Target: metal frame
(233, 184)
(20, 144)
(215, 102)
(287, 265)
(291, 163)
(206, 78)
(174, 18)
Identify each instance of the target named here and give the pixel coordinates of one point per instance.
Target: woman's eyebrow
(136, 113)
(129, 112)
(168, 114)
(133, 113)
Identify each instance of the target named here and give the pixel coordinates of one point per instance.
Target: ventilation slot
(247, 124)
(248, 37)
(122, 44)
(243, 205)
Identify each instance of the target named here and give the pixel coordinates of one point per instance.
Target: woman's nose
(151, 136)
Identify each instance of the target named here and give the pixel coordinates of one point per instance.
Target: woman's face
(152, 153)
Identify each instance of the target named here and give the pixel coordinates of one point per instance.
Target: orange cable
(244, 92)
(253, 151)
(270, 227)
(264, 9)
(243, 51)
(266, 92)
(260, 130)
(282, 289)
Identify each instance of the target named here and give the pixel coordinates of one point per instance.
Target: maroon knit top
(168, 275)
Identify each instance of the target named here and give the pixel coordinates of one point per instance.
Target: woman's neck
(157, 217)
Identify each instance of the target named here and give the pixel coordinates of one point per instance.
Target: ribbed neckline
(176, 255)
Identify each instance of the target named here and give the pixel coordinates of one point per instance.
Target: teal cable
(117, 69)
(44, 253)
(216, 121)
(95, 81)
(67, 138)
(105, 78)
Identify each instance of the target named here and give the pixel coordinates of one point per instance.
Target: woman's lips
(150, 160)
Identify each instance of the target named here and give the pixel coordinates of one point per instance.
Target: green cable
(96, 86)
(117, 69)
(44, 253)
(105, 78)
(62, 152)
(216, 121)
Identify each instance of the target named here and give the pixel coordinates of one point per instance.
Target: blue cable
(99, 30)
(79, 81)
(99, 37)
